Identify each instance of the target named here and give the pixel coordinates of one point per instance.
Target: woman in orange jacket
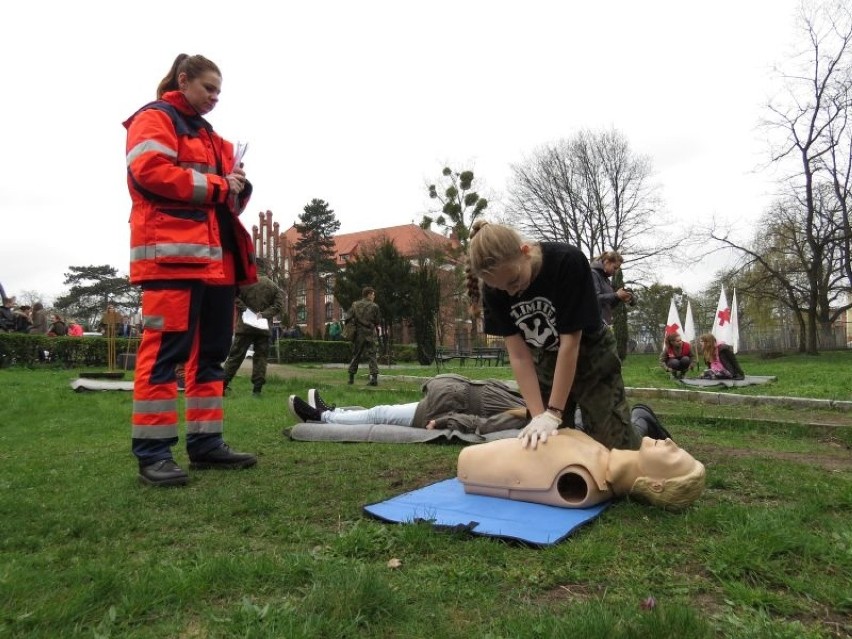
(188, 251)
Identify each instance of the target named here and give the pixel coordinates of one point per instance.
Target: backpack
(349, 328)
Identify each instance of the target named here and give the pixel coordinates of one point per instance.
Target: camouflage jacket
(264, 298)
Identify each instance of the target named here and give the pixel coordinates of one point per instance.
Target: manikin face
(202, 92)
(514, 276)
(660, 459)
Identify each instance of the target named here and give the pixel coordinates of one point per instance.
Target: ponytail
(193, 66)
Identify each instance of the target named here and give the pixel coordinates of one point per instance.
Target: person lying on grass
(452, 402)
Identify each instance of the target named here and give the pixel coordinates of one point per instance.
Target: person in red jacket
(188, 252)
(677, 357)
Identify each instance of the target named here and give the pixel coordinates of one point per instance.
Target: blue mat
(445, 504)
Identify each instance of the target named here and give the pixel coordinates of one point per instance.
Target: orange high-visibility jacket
(176, 165)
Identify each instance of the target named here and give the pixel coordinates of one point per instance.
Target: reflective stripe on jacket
(176, 165)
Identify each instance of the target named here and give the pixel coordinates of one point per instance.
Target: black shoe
(351, 378)
(163, 473)
(374, 380)
(256, 390)
(222, 457)
(316, 401)
(304, 411)
(646, 423)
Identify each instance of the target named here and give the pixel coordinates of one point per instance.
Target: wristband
(553, 409)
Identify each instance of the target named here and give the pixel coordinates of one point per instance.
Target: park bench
(486, 355)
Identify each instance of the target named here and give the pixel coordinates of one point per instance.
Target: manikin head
(667, 476)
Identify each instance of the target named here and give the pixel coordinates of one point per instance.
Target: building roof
(409, 240)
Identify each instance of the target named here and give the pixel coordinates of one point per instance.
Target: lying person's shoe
(304, 411)
(222, 457)
(163, 473)
(646, 423)
(316, 401)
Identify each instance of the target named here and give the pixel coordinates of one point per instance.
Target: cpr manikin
(572, 470)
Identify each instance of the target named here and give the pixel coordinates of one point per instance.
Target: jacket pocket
(182, 236)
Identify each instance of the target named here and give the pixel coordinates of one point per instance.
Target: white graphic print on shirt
(537, 319)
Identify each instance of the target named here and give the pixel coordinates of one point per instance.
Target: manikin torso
(570, 470)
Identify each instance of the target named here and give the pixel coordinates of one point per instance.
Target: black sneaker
(646, 423)
(316, 401)
(304, 411)
(222, 457)
(163, 473)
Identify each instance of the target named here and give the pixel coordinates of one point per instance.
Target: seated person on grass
(452, 402)
(720, 359)
(575, 471)
(677, 357)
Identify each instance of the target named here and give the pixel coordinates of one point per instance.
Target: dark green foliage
(92, 288)
(314, 251)
(382, 267)
(647, 319)
(460, 206)
(425, 300)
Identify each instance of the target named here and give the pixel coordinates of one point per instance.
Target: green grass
(284, 550)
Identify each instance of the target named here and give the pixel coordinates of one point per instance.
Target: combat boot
(351, 378)
(374, 380)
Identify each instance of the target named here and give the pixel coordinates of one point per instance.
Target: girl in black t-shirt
(541, 298)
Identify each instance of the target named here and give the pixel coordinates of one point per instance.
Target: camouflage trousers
(598, 390)
(259, 360)
(364, 347)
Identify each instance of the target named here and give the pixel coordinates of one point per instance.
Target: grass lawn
(284, 550)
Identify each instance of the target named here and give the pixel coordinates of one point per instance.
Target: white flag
(722, 329)
(673, 324)
(735, 324)
(688, 325)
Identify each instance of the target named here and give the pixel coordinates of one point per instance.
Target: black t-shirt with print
(561, 299)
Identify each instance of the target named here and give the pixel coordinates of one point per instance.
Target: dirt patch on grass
(835, 459)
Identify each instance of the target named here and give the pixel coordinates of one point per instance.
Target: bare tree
(594, 192)
(796, 262)
(802, 252)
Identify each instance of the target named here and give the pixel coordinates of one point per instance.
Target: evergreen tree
(425, 299)
(313, 252)
(92, 288)
(382, 267)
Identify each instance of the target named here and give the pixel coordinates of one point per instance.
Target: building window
(301, 314)
(329, 311)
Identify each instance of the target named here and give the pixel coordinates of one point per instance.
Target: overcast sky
(362, 103)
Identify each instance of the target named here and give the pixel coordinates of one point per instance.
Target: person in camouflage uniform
(266, 300)
(540, 297)
(366, 315)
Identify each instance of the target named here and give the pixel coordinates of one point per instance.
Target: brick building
(312, 310)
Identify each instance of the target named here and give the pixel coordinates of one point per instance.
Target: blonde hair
(675, 493)
(492, 245)
(708, 347)
(611, 256)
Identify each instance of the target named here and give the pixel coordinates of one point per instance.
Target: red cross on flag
(673, 324)
(723, 327)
